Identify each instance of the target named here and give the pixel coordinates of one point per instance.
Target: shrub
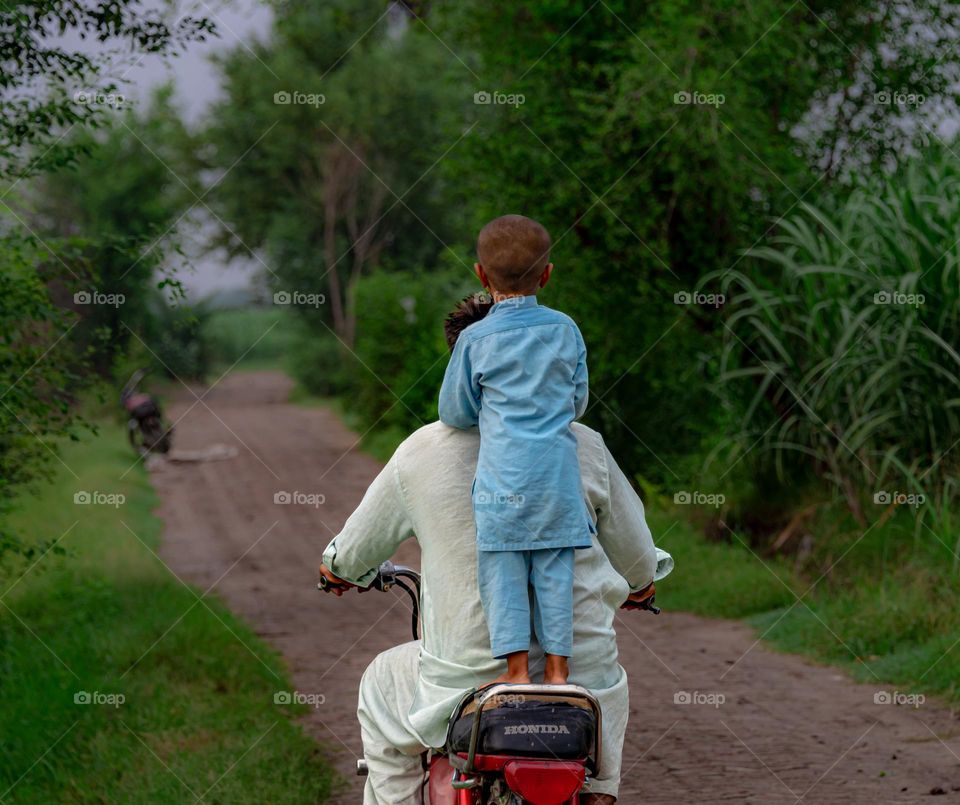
(840, 350)
(393, 374)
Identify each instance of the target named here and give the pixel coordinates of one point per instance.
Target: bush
(392, 376)
(840, 350)
(177, 340)
(41, 372)
(320, 365)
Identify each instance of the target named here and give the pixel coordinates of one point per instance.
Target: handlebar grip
(325, 585)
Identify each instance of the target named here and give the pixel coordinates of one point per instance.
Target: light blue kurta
(520, 373)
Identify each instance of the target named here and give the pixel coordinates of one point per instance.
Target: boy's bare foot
(556, 670)
(518, 670)
(512, 679)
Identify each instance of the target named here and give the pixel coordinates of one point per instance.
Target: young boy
(520, 373)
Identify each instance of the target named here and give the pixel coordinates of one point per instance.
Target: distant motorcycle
(146, 429)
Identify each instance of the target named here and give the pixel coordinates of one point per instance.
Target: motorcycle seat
(533, 729)
(142, 407)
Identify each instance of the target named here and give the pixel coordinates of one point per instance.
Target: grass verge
(882, 603)
(118, 684)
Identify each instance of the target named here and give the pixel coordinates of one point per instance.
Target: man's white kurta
(424, 491)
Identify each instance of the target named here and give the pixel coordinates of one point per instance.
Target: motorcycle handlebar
(389, 575)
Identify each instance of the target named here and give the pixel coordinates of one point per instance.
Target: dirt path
(786, 731)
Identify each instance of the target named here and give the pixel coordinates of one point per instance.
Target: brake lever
(386, 576)
(385, 579)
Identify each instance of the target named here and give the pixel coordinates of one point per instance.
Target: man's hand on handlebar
(640, 599)
(333, 584)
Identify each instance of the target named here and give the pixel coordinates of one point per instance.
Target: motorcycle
(507, 744)
(146, 429)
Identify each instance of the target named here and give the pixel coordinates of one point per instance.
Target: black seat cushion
(558, 731)
(145, 409)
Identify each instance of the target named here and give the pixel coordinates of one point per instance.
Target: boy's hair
(471, 309)
(513, 250)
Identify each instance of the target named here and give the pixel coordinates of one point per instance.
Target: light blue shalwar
(520, 374)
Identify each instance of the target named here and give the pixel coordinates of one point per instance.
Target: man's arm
(622, 530)
(372, 533)
(581, 386)
(459, 395)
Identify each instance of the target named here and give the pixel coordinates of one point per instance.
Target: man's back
(425, 490)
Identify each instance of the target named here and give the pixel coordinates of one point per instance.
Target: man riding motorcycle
(408, 693)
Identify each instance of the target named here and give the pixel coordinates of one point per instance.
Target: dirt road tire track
(787, 731)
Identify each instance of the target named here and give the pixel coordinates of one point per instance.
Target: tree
(328, 151)
(53, 93)
(49, 86)
(118, 210)
(657, 141)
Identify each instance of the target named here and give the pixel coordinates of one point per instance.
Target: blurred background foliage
(787, 163)
(800, 391)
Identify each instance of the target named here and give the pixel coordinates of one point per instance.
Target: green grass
(716, 579)
(884, 605)
(233, 336)
(889, 611)
(198, 712)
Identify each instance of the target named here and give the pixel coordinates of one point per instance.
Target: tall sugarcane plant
(842, 345)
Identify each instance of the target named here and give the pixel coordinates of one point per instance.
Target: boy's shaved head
(514, 250)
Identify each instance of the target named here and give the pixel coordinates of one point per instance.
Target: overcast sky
(239, 23)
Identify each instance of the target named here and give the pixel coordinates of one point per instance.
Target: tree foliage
(49, 83)
(658, 142)
(119, 207)
(55, 92)
(328, 141)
